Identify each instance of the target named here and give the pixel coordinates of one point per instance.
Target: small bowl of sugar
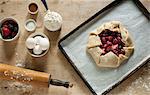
(30, 25)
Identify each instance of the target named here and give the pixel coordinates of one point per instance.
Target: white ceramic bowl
(32, 36)
(17, 35)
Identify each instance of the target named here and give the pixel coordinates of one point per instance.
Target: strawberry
(5, 32)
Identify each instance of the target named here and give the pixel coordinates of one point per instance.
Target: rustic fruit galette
(110, 44)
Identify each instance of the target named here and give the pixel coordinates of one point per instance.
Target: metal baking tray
(135, 18)
(145, 3)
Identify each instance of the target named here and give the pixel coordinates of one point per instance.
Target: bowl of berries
(9, 29)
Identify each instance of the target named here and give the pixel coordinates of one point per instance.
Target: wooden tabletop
(74, 12)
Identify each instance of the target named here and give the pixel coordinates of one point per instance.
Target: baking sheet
(102, 79)
(146, 4)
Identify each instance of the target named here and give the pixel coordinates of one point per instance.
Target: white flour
(52, 21)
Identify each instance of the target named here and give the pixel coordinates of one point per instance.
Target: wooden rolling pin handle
(57, 82)
(26, 75)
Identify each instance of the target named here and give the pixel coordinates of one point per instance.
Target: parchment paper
(102, 79)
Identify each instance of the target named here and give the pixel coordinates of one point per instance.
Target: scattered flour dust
(10, 87)
(19, 61)
(20, 87)
(140, 84)
(15, 88)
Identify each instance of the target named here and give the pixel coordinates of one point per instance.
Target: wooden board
(74, 12)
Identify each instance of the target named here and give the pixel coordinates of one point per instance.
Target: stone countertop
(74, 12)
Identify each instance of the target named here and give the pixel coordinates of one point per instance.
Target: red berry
(5, 32)
(115, 46)
(105, 45)
(103, 40)
(115, 41)
(110, 38)
(108, 49)
(109, 43)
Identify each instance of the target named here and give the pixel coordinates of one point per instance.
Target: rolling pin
(26, 75)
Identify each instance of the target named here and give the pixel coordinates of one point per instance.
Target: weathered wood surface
(74, 12)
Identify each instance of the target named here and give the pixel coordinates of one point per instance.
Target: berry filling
(9, 29)
(111, 41)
